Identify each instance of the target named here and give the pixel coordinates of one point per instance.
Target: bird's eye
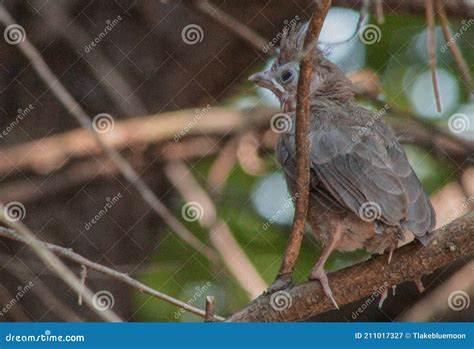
(287, 76)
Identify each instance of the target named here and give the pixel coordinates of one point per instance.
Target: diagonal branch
(302, 140)
(114, 274)
(55, 265)
(409, 263)
(122, 164)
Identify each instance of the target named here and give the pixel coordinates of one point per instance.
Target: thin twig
(302, 139)
(432, 51)
(48, 298)
(54, 263)
(209, 309)
(454, 48)
(379, 12)
(77, 258)
(125, 168)
(83, 282)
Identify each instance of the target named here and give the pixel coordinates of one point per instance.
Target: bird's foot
(320, 274)
(383, 297)
(282, 281)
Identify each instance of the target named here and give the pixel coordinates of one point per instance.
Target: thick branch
(409, 263)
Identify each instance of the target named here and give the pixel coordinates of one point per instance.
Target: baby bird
(363, 192)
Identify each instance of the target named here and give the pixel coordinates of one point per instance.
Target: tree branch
(54, 264)
(77, 258)
(127, 171)
(302, 138)
(431, 47)
(409, 263)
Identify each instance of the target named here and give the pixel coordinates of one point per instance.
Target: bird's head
(282, 77)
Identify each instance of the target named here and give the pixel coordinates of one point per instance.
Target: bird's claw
(321, 276)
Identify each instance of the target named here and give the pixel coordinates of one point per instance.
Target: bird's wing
(357, 170)
(368, 176)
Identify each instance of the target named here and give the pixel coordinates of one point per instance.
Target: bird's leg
(318, 272)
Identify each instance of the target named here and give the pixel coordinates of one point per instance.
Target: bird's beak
(261, 79)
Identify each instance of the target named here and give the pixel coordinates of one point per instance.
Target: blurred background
(166, 85)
